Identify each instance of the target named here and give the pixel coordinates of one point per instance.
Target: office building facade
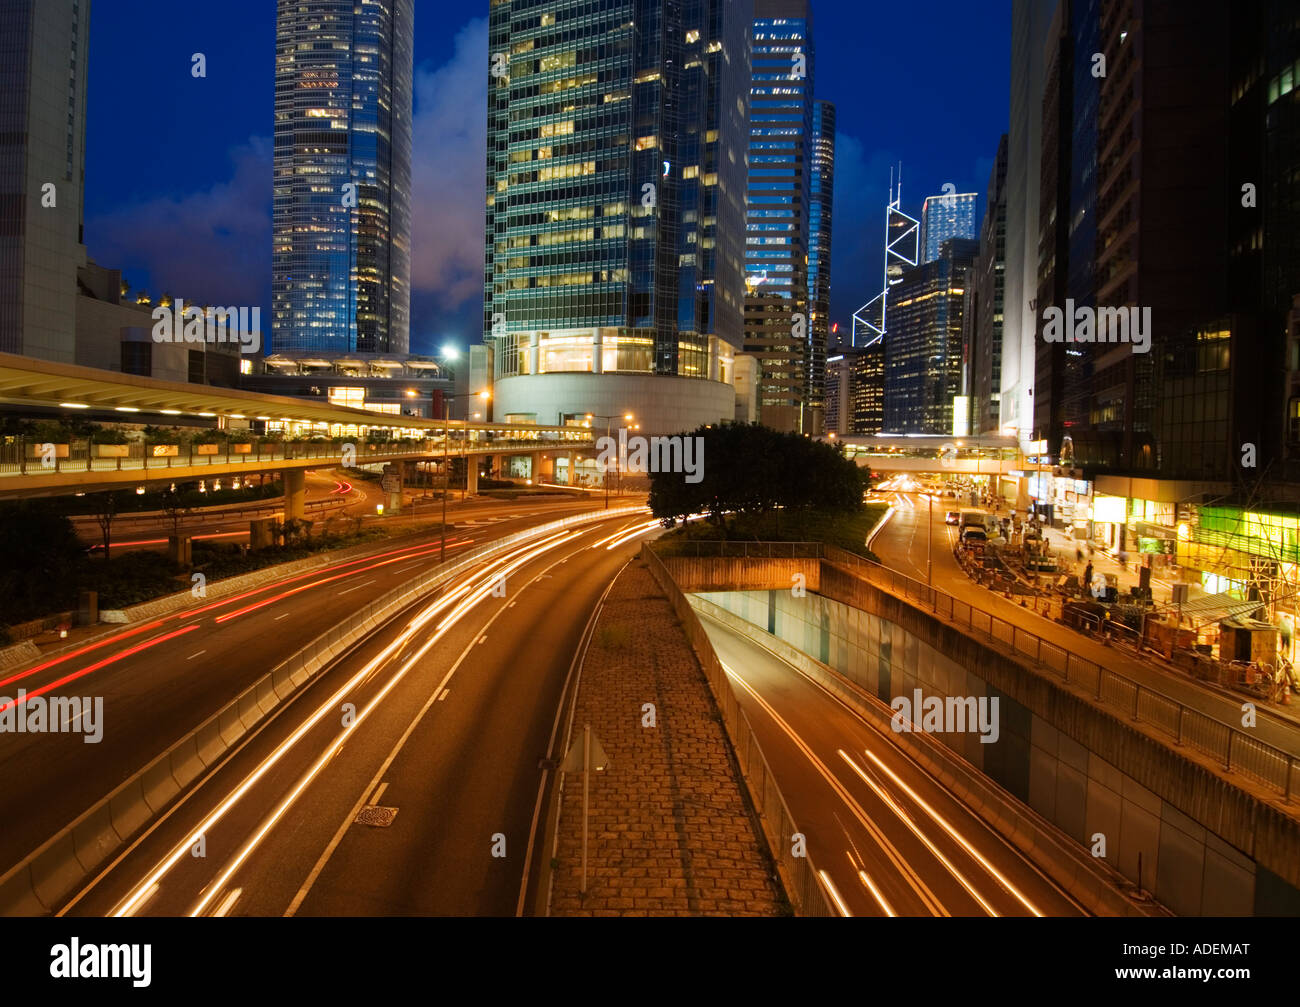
(984, 311)
(778, 310)
(43, 60)
(615, 208)
(1031, 21)
(341, 212)
(951, 215)
(855, 391)
(923, 349)
(820, 219)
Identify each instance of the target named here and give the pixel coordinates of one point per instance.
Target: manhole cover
(376, 816)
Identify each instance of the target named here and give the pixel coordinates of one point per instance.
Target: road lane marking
(285, 616)
(410, 728)
(943, 823)
(357, 588)
(193, 656)
(444, 695)
(905, 870)
(379, 792)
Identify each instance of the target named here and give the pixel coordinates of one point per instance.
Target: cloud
(449, 136)
(209, 247)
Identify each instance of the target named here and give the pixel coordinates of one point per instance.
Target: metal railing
(739, 550)
(33, 457)
(1233, 748)
(805, 890)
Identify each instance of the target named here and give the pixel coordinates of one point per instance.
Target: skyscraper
(777, 261)
(923, 349)
(341, 266)
(1030, 22)
(615, 208)
(984, 319)
(951, 215)
(822, 197)
(42, 166)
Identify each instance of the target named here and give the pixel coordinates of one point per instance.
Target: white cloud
(212, 246)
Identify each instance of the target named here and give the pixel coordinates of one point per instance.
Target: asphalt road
(901, 545)
(888, 838)
(453, 705)
(160, 679)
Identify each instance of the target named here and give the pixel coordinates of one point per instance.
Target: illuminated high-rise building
(615, 208)
(341, 263)
(777, 237)
(951, 215)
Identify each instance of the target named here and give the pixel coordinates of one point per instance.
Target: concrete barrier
(1088, 880)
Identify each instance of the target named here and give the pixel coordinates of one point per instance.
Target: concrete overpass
(338, 435)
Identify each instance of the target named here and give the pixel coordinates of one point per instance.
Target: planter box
(205, 449)
(164, 450)
(60, 450)
(241, 449)
(112, 450)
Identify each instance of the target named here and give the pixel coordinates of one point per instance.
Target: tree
(107, 505)
(751, 469)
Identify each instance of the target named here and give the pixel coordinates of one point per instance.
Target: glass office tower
(615, 206)
(777, 222)
(944, 217)
(342, 176)
(822, 196)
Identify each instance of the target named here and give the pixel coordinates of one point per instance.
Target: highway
(161, 678)
(444, 714)
(901, 545)
(887, 839)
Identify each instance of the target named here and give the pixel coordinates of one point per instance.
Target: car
(952, 517)
(974, 538)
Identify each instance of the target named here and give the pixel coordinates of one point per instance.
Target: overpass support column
(295, 494)
(471, 474)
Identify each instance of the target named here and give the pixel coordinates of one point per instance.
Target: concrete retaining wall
(1209, 842)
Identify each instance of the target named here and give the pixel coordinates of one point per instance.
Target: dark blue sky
(178, 169)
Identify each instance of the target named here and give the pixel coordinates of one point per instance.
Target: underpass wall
(1206, 845)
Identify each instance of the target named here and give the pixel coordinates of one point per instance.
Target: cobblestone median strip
(670, 832)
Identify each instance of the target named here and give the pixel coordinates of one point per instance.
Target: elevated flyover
(334, 435)
(985, 455)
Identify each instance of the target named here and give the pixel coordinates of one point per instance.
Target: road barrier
(798, 874)
(43, 879)
(1234, 749)
(1090, 880)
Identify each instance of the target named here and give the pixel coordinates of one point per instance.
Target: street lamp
(446, 462)
(627, 418)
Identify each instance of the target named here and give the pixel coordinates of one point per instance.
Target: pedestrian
(1087, 575)
(1078, 554)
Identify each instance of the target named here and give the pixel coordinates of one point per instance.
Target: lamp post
(446, 461)
(627, 417)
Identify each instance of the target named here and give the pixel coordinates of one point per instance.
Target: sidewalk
(670, 833)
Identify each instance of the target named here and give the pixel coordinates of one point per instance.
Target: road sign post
(584, 759)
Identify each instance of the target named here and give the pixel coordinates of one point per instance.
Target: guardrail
(802, 885)
(46, 876)
(25, 457)
(1232, 747)
(740, 550)
(1235, 749)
